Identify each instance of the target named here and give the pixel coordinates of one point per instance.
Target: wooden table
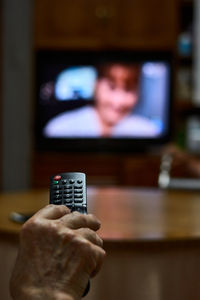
(152, 239)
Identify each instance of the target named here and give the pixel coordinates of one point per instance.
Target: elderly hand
(59, 251)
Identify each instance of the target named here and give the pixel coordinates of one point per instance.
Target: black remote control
(70, 189)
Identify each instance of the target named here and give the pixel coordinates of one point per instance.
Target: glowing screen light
(76, 83)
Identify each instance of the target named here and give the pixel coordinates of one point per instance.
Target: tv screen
(102, 100)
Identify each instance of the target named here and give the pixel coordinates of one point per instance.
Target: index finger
(77, 220)
(53, 212)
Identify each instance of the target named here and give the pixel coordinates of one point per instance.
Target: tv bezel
(100, 144)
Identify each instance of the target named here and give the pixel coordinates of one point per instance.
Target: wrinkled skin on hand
(59, 251)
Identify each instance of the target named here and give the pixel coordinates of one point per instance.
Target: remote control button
(78, 191)
(57, 177)
(78, 195)
(68, 191)
(55, 182)
(58, 201)
(57, 187)
(57, 192)
(78, 186)
(64, 181)
(79, 181)
(67, 196)
(68, 201)
(71, 181)
(56, 197)
(78, 200)
(68, 186)
(79, 209)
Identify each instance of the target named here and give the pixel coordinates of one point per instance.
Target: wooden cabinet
(145, 24)
(101, 23)
(68, 23)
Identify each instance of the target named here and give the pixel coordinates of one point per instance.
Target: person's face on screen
(116, 93)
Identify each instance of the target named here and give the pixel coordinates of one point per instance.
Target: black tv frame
(99, 144)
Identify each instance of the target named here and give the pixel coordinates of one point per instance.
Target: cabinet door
(145, 24)
(94, 23)
(71, 23)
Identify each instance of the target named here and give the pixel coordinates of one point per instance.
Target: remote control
(70, 189)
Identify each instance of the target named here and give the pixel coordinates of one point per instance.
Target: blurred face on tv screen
(116, 92)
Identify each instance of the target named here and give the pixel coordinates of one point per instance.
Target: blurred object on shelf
(185, 43)
(196, 53)
(175, 159)
(183, 163)
(179, 138)
(193, 134)
(184, 84)
(165, 168)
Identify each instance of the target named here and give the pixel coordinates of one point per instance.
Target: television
(102, 101)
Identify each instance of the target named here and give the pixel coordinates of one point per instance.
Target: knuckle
(76, 242)
(81, 244)
(86, 247)
(52, 227)
(67, 236)
(29, 227)
(93, 236)
(62, 208)
(99, 241)
(34, 225)
(76, 214)
(92, 216)
(30, 224)
(81, 217)
(50, 205)
(88, 231)
(102, 254)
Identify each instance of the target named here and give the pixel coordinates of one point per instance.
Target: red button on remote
(57, 177)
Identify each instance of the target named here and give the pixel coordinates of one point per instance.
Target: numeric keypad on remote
(69, 189)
